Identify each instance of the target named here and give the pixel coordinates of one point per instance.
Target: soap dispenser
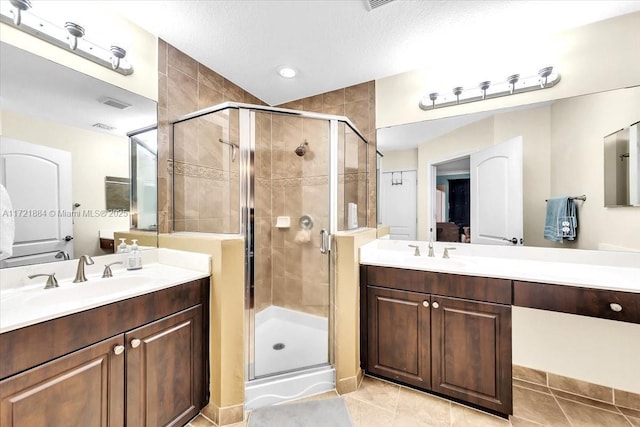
(122, 247)
(134, 259)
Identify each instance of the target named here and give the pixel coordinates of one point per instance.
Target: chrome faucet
(62, 255)
(431, 253)
(446, 252)
(417, 251)
(107, 269)
(52, 282)
(80, 277)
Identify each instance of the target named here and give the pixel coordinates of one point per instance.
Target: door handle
(68, 238)
(324, 241)
(512, 240)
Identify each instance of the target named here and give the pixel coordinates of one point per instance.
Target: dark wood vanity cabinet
(399, 346)
(153, 371)
(443, 333)
(85, 388)
(162, 358)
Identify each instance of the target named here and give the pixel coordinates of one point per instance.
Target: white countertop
(593, 269)
(24, 302)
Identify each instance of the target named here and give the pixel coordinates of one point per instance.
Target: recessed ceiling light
(287, 72)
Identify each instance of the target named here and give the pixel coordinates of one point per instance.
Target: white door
(38, 180)
(496, 194)
(398, 203)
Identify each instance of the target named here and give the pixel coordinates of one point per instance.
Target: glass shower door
(290, 284)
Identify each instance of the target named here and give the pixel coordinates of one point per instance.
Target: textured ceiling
(338, 43)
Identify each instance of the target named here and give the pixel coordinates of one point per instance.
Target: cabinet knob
(425, 303)
(135, 343)
(435, 304)
(119, 349)
(615, 307)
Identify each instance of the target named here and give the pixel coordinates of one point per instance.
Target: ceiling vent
(102, 126)
(374, 4)
(112, 102)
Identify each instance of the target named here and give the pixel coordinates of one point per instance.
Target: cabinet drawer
(485, 289)
(577, 300)
(402, 279)
(453, 285)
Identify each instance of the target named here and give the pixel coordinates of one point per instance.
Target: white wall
(95, 155)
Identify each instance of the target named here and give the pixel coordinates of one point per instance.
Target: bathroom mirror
(51, 109)
(621, 167)
(562, 156)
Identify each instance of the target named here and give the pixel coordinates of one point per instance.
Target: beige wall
(105, 155)
(346, 328)
(598, 351)
(590, 59)
(226, 328)
(399, 160)
(577, 166)
(100, 23)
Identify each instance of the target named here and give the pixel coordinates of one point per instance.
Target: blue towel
(561, 221)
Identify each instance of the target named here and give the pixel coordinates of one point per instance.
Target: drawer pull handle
(425, 303)
(615, 307)
(135, 343)
(118, 350)
(435, 305)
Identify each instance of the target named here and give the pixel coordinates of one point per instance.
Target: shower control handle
(324, 241)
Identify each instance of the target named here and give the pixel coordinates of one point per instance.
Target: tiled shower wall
(358, 104)
(288, 273)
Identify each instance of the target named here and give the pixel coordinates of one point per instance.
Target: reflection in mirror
(63, 132)
(562, 155)
(621, 166)
(144, 194)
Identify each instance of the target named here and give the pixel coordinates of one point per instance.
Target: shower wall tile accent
(185, 86)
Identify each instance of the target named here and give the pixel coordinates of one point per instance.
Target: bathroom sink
(91, 289)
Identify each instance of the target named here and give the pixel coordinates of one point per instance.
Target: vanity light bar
(69, 37)
(545, 78)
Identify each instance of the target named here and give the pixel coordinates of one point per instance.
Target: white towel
(303, 236)
(7, 224)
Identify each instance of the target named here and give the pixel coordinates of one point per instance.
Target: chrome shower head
(301, 150)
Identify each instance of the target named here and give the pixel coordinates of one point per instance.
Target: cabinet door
(398, 336)
(165, 370)
(471, 351)
(84, 388)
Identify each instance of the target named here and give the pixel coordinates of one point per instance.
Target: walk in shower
(286, 180)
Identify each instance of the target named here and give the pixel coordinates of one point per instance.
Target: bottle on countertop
(122, 247)
(124, 250)
(134, 259)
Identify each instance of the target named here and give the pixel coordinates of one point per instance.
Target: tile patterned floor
(381, 404)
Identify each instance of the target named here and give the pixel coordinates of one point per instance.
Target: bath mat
(331, 412)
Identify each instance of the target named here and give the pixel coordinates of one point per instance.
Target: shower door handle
(324, 241)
